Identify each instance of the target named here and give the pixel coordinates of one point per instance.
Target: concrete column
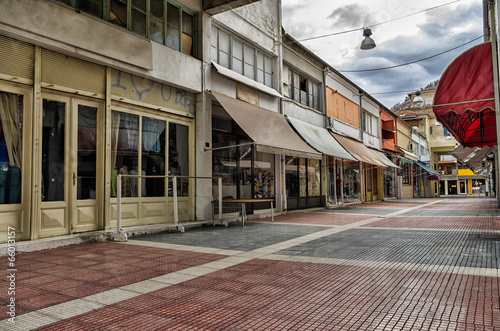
(203, 128)
(445, 187)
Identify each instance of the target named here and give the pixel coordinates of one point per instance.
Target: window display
(246, 174)
(303, 177)
(292, 177)
(314, 177)
(406, 172)
(124, 150)
(178, 160)
(389, 182)
(352, 179)
(264, 175)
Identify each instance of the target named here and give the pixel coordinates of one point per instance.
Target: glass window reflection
(11, 142)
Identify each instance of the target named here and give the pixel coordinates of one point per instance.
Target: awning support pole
(494, 54)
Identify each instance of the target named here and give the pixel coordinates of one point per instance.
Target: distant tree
(431, 84)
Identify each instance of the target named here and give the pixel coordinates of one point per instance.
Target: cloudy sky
(406, 39)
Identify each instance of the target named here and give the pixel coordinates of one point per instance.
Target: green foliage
(431, 84)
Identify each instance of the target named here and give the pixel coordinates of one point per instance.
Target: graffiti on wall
(147, 91)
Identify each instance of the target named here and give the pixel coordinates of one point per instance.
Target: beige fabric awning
(358, 150)
(408, 154)
(269, 130)
(320, 139)
(384, 159)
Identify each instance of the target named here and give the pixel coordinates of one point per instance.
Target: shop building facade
(99, 92)
(168, 90)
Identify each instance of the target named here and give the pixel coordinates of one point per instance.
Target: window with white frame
(232, 53)
(303, 90)
(368, 122)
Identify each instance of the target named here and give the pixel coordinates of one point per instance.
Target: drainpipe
(361, 167)
(281, 102)
(325, 187)
(323, 97)
(361, 119)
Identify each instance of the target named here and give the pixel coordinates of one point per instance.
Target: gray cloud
(351, 16)
(438, 34)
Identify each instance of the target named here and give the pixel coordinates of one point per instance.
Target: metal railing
(119, 235)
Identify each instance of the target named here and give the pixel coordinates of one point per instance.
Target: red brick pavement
(263, 294)
(49, 277)
(281, 295)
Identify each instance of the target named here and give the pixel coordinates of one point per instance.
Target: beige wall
(404, 134)
(437, 139)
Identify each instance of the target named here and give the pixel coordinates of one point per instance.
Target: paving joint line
(52, 314)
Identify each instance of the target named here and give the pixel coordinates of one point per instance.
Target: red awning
(465, 99)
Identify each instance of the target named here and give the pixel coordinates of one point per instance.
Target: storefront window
(302, 178)
(87, 155)
(264, 175)
(178, 158)
(224, 165)
(478, 186)
(314, 178)
(292, 177)
(352, 179)
(338, 180)
(244, 168)
(406, 172)
(389, 182)
(124, 151)
(331, 180)
(153, 160)
(54, 122)
(125, 155)
(246, 173)
(452, 187)
(368, 177)
(11, 142)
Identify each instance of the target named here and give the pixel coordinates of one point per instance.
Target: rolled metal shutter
(17, 60)
(69, 74)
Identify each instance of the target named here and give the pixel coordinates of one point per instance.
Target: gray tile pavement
(252, 236)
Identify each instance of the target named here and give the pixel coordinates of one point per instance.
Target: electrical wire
(412, 62)
(377, 24)
(394, 92)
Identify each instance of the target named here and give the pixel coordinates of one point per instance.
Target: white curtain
(9, 113)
